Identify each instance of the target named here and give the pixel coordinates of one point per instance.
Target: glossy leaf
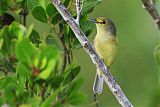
(17, 30)
(31, 4)
(72, 74)
(43, 3)
(75, 86)
(56, 81)
(34, 37)
(66, 30)
(89, 6)
(52, 55)
(39, 13)
(4, 33)
(48, 102)
(87, 26)
(50, 52)
(25, 51)
(57, 17)
(23, 70)
(47, 71)
(51, 10)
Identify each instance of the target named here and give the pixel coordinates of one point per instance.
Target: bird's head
(104, 23)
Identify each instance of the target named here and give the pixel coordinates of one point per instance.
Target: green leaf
(34, 37)
(23, 70)
(56, 18)
(75, 86)
(58, 104)
(2, 101)
(89, 6)
(17, 30)
(48, 70)
(1, 42)
(43, 3)
(35, 101)
(66, 3)
(31, 4)
(51, 10)
(66, 30)
(6, 40)
(51, 52)
(157, 54)
(86, 25)
(76, 99)
(48, 102)
(51, 55)
(51, 40)
(75, 71)
(10, 89)
(71, 75)
(55, 81)
(25, 51)
(39, 13)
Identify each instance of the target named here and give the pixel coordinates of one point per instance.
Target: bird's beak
(93, 20)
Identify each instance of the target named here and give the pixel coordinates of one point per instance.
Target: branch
(149, 5)
(109, 79)
(65, 52)
(79, 10)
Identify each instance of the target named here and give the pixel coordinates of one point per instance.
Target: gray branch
(149, 5)
(109, 79)
(79, 7)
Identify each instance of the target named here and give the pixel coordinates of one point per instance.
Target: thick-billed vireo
(105, 44)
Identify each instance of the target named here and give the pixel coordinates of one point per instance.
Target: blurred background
(135, 68)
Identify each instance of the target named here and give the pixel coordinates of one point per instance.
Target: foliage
(156, 95)
(33, 72)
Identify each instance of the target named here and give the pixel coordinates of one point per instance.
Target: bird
(105, 44)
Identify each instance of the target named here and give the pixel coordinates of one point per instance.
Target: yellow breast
(106, 47)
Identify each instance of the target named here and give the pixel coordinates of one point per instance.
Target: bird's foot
(102, 59)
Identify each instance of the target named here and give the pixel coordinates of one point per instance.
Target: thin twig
(24, 20)
(60, 35)
(95, 100)
(79, 7)
(23, 13)
(65, 52)
(109, 79)
(150, 7)
(43, 91)
(69, 50)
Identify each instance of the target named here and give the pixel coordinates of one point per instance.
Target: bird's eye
(104, 22)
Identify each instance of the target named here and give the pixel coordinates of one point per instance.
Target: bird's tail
(98, 83)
